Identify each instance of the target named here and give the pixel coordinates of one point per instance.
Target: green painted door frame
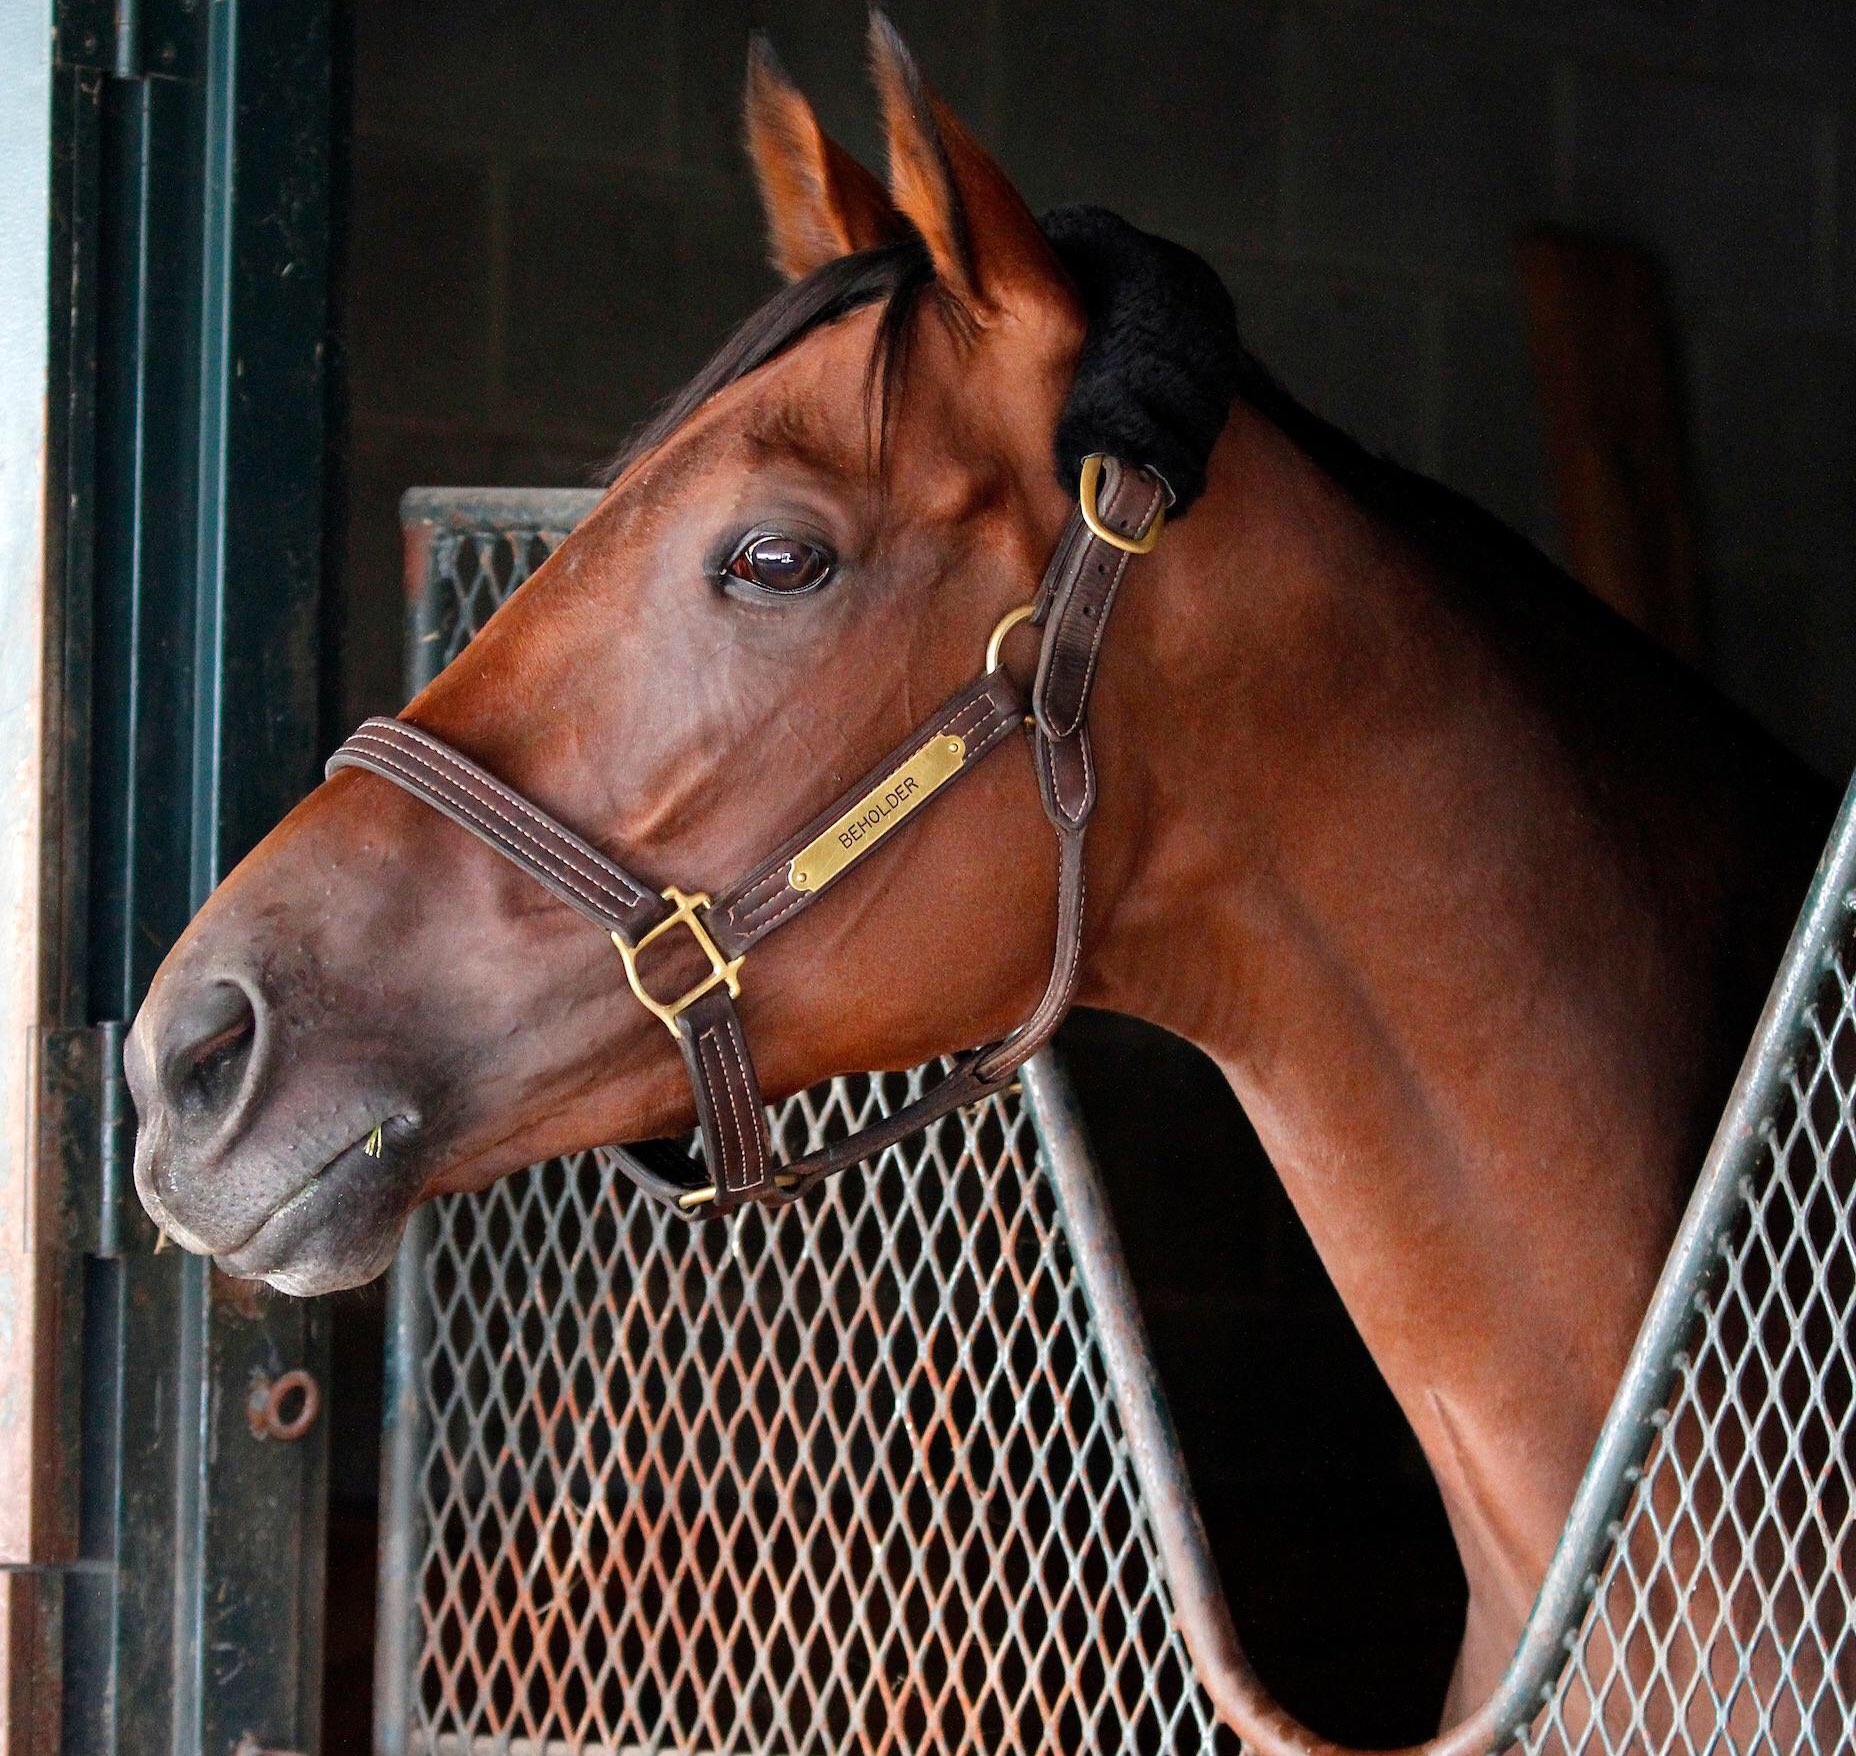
(167, 1564)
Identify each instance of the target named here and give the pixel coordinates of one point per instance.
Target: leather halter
(1119, 514)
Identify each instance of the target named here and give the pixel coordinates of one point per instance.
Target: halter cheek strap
(1120, 513)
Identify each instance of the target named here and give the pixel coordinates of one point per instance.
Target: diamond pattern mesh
(842, 1477)
(1721, 1619)
(849, 1477)
(470, 573)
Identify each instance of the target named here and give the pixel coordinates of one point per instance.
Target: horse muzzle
(307, 1198)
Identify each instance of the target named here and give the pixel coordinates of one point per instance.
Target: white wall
(25, 219)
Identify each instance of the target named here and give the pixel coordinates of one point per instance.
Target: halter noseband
(1119, 514)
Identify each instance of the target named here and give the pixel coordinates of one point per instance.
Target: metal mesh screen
(466, 552)
(846, 1477)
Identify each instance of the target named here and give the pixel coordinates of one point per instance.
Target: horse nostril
(211, 1040)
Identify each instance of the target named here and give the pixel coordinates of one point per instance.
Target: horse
(1470, 892)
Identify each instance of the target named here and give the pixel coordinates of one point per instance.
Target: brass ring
(1086, 504)
(1006, 624)
(269, 1398)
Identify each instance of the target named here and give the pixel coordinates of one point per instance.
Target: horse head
(803, 553)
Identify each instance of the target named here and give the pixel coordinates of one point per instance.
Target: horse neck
(1349, 853)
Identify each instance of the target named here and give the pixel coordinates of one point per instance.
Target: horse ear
(820, 202)
(987, 249)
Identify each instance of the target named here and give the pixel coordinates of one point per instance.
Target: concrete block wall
(550, 224)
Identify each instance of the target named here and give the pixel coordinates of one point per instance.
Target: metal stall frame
(174, 1560)
(1787, 1058)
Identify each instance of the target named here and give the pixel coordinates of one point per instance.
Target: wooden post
(1598, 330)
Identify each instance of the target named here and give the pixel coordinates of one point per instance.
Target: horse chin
(339, 1230)
(329, 1264)
(334, 1227)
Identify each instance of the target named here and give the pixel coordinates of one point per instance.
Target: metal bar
(122, 1625)
(437, 624)
(1134, 1380)
(450, 1744)
(195, 1619)
(1591, 1526)
(399, 1637)
(1223, 1669)
(43, 145)
(492, 510)
(256, 1608)
(431, 619)
(26, 590)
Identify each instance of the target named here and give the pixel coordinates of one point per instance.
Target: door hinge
(130, 39)
(87, 1141)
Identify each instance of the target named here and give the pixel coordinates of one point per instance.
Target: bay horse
(1471, 893)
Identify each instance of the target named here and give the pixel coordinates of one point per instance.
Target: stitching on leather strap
(705, 1048)
(1101, 621)
(789, 902)
(1074, 814)
(454, 790)
(1076, 938)
(391, 758)
(756, 1136)
(1065, 583)
(713, 1038)
(569, 842)
(487, 791)
(1095, 644)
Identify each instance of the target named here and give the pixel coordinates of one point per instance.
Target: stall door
(170, 1537)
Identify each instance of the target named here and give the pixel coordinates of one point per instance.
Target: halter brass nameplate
(878, 812)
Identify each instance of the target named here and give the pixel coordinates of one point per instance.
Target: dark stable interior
(547, 224)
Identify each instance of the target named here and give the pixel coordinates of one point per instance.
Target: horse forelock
(896, 276)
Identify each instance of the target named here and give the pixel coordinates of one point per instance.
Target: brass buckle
(1086, 504)
(722, 970)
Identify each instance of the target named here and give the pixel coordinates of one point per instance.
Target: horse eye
(781, 564)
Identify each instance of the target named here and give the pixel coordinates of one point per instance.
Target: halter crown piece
(1121, 508)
